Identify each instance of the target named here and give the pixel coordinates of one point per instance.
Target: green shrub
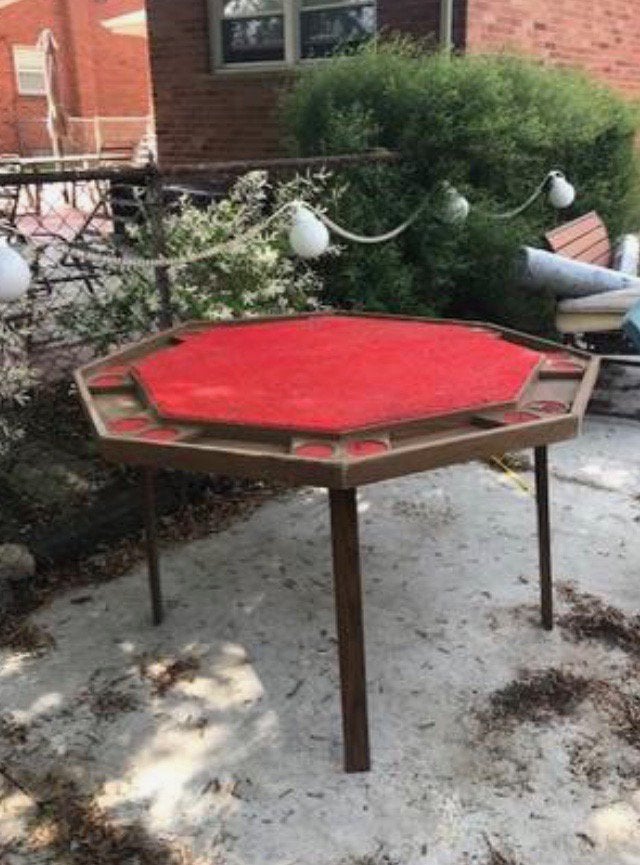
(17, 376)
(492, 126)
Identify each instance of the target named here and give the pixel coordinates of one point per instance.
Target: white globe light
(15, 274)
(561, 193)
(309, 237)
(456, 207)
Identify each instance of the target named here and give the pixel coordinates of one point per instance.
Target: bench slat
(603, 260)
(587, 247)
(584, 239)
(564, 234)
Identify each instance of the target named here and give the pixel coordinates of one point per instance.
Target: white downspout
(446, 25)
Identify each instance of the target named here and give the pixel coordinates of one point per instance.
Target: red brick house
(217, 65)
(103, 73)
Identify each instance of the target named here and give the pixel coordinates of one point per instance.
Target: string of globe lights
(309, 235)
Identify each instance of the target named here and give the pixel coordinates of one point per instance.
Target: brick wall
(100, 73)
(19, 25)
(121, 63)
(602, 36)
(200, 116)
(206, 116)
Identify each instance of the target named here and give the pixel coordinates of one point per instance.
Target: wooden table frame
(566, 378)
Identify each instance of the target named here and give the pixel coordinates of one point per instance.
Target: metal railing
(99, 136)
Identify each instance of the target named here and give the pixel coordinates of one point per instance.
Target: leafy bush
(17, 377)
(253, 273)
(493, 127)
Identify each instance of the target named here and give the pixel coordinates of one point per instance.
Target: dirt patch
(378, 857)
(622, 710)
(589, 760)
(13, 732)
(498, 857)
(69, 827)
(594, 758)
(24, 637)
(541, 696)
(228, 502)
(537, 696)
(591, 619)
(90, 530)
(221, 507)
(110, 701)
(165, 674)
(494, 856)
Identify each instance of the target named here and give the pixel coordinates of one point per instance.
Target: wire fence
(52, 218)
(73, 225)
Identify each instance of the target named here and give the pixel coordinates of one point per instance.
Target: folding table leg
(348, 599)
(152, 544)
(544, 536)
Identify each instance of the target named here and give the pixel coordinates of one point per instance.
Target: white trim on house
(4, 3)
(130, 24)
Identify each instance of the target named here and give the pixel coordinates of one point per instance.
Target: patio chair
(598, 318)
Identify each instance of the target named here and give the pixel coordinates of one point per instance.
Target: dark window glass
(323, 30)
(252, 31)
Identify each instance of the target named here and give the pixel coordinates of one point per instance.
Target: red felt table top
(333, 374)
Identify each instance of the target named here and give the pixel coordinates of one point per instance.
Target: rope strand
(133, 262)
(378, 238)
(509, 214)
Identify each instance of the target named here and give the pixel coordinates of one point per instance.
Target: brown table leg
(151, 531)
(348, 595)
(544, 536)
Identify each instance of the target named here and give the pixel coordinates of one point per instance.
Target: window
(253, 31)
(276, 32)
(29, 66)
(326, 25)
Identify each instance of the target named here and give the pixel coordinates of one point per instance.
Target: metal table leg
(544, 536)
(348, 599)
(151, 530)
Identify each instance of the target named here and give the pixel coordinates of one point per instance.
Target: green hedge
(491, 125)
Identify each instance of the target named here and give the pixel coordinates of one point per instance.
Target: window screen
(29, 65)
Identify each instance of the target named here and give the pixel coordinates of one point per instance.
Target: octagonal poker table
(336, 400)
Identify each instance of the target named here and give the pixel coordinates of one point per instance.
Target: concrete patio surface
(239, 758)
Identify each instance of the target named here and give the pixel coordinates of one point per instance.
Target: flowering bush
(252, 274)
(17, 379)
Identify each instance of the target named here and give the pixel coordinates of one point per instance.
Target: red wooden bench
(583, 239)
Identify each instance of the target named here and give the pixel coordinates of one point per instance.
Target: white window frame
(292, 38)
(28, 60)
